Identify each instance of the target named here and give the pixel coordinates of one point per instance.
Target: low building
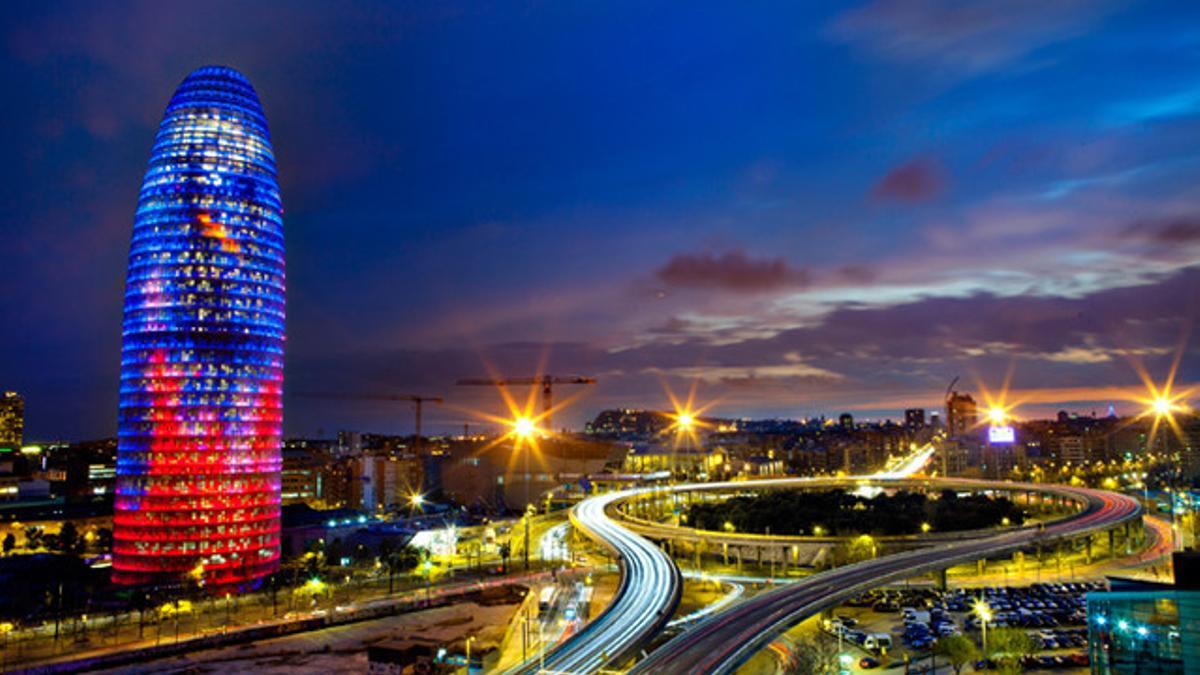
(1146, 627)
(1144, 631)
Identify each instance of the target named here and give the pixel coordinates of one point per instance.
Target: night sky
(827, 209)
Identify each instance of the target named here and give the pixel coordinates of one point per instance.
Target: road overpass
(725, 640)
(650, 581)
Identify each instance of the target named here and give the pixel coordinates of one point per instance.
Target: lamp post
(984, 612)
(469, 640)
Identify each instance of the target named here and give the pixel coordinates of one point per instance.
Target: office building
(12, 420)
(914, 418)
(961, 414)
(200, 417)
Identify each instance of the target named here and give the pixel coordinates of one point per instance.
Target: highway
(726, 639)
(645, 599)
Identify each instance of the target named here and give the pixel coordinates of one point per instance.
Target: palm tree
(33, 538)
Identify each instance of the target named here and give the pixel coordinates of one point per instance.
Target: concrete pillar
(739, 559)
(725, 551)
(1112, 543)
(1087, 555)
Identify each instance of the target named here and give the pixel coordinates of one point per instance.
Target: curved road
(724, 641)
(644, 602)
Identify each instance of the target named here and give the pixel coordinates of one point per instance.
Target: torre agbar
(198, 462)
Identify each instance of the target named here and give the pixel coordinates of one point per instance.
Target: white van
(877, 642)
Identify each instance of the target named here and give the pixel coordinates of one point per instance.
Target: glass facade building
(1147, 632)
(200, 420)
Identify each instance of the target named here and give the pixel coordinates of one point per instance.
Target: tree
(10, 543)
(104, 540)
(959, 650)
(404, 560)
(1008, 647)
(814, 657)
(334, 551)
(68, 538)
(33, 538)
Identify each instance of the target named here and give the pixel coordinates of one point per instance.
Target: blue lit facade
(1155, 632)
(200, 420)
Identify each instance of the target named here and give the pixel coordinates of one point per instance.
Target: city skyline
(833, 211)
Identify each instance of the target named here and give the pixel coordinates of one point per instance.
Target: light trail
(645, 599)
(725, 640)
(553, 543)
(649, 589)
(908, 466)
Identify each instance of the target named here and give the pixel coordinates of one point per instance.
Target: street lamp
(984, 612)
(530, 510)
(469, 640)
(524, 427)
(926, 527)
(997, 415)
(525, 430)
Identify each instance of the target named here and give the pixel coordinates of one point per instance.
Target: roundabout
(650, 580)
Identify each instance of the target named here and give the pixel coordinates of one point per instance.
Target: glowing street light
(926, 527)
(685, 421)
(1163, 406)
(997, 415)
(416, 500)
(984, 612)
(524, 427)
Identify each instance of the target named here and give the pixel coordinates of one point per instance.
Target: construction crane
(546, 382)
(950, 389)
(417, 401)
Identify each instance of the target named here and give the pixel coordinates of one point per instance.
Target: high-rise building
(12, 420)
(961, 414)
(914, 418)
(198, 458)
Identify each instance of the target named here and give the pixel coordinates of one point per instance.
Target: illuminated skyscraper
(198, 460)
(12, 420)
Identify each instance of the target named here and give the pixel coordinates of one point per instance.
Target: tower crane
(546, 382)
(417, 401)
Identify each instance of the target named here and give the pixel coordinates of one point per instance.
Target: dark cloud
(879, 358)
(1182, 230)
(917, 180)
(731, 271)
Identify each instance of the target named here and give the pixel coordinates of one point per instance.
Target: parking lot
(887, 629)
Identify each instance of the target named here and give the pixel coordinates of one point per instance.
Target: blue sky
(808, 210)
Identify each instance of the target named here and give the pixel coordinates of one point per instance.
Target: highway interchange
(651, 584)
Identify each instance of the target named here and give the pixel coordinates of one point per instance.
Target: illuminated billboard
(1001, 434)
